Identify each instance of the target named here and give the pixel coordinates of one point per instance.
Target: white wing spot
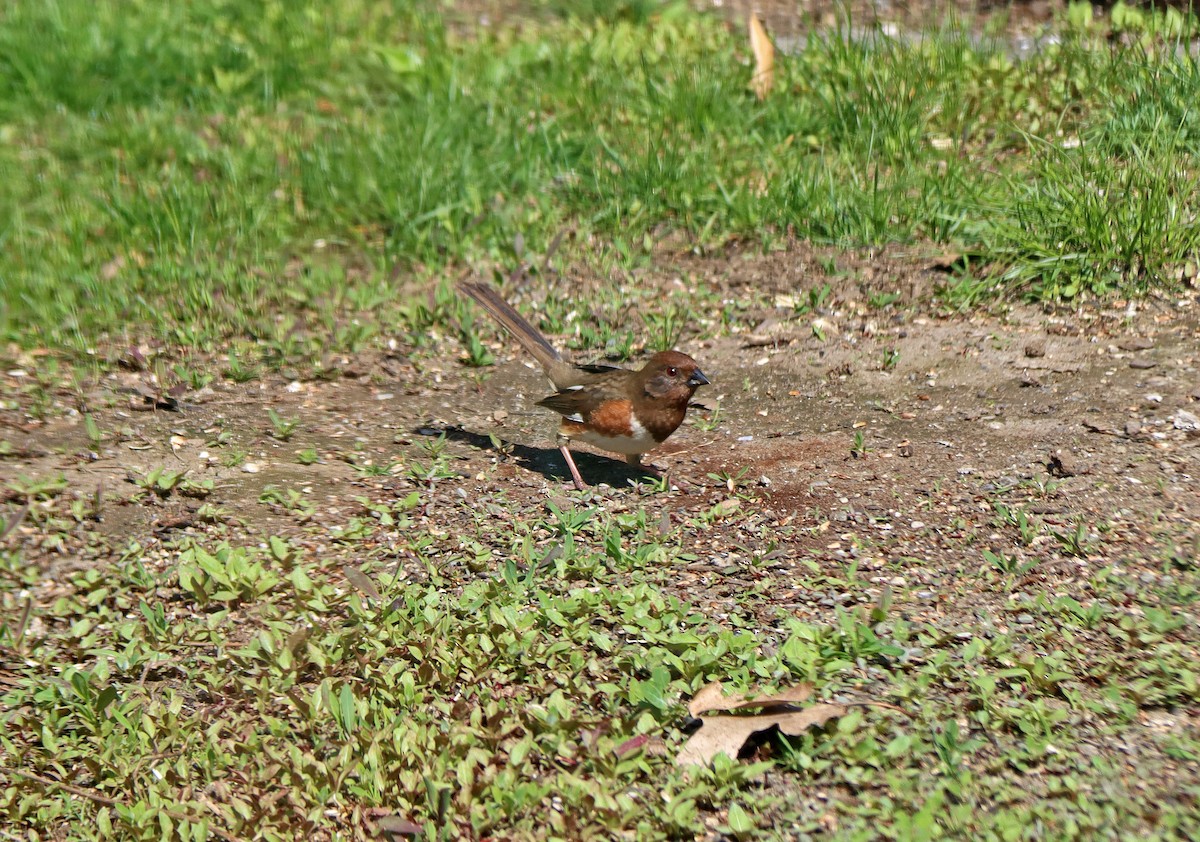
(636, 430)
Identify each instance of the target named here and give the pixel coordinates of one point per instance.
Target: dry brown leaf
(728, 734)
(764, 59)
(712, 697)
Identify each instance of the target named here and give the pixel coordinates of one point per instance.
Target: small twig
(178, 522)
(95, 797)
(17, 518)
(684, 450)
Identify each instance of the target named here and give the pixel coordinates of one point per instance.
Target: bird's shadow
(547, 461)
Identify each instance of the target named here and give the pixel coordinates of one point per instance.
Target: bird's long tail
(530, 337)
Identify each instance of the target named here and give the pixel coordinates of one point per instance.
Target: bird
(620, 410)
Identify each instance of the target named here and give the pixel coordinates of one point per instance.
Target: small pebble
(1025, 619)
(1186, 421)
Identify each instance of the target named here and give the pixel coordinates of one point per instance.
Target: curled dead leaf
(712, 697)
(722, 734)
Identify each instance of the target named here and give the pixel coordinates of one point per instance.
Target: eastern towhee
(616, 409)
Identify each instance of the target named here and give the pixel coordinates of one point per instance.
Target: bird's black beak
(698, 379)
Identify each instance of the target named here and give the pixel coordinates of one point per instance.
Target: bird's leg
(566, 452)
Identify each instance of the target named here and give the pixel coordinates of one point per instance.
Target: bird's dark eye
(672, 371)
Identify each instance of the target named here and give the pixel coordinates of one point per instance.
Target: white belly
(639, 441)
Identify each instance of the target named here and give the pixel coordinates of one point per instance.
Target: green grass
(175, 170)
(273, 687)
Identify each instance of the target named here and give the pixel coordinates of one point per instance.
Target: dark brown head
(671, 376)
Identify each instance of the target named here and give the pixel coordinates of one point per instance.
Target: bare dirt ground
(904, 424)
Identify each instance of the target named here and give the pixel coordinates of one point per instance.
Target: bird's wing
(602, 384)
